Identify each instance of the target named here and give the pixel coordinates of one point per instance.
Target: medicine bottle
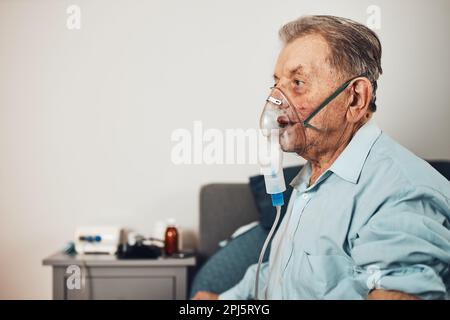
(171, 238)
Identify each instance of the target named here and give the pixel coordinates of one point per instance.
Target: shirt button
(280, 280)
(305, 196)
(291, 237)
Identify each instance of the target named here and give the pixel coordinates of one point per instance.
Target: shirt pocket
(320, 274)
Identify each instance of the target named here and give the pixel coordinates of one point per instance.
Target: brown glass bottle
(171, 240)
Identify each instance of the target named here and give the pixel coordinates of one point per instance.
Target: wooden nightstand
(106, 277)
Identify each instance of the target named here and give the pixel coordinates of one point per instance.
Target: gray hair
(355, 49)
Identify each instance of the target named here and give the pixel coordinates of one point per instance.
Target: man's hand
(380, 294)
(204, 295)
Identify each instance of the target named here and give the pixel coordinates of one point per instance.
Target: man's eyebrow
(299, 69)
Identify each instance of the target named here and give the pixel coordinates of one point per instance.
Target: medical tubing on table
(263, 250)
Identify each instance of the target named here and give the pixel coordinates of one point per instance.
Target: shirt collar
(301, 180)
(350, 162)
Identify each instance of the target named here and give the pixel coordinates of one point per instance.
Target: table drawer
(125, 288)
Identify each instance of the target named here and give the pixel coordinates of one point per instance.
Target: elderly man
(367, 218)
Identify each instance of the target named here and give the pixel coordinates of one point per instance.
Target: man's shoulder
(396, 168)
(394, 180)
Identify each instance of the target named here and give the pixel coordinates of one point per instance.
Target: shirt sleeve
(405, 245)
(245, 289)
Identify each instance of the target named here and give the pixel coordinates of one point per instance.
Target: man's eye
(298, 82)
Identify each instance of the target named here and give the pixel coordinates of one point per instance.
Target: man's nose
(284, 89)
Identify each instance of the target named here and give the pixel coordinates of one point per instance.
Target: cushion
(228, 265)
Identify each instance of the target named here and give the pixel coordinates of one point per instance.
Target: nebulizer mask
(281, 124)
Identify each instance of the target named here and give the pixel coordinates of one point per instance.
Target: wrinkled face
(305, 76)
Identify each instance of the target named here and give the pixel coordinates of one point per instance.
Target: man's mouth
(283, 121)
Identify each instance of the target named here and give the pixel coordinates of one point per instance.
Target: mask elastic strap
(328, 100)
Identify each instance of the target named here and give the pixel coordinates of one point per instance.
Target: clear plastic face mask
(280, 117)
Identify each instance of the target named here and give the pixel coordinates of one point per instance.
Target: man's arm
(407, 243)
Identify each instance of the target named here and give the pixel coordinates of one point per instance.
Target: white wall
(86, 116)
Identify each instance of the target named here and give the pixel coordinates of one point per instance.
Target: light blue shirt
(377, 218)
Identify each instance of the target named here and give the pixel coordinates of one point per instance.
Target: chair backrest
(224, 207)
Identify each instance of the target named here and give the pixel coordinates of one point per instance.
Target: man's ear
(359, 99)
